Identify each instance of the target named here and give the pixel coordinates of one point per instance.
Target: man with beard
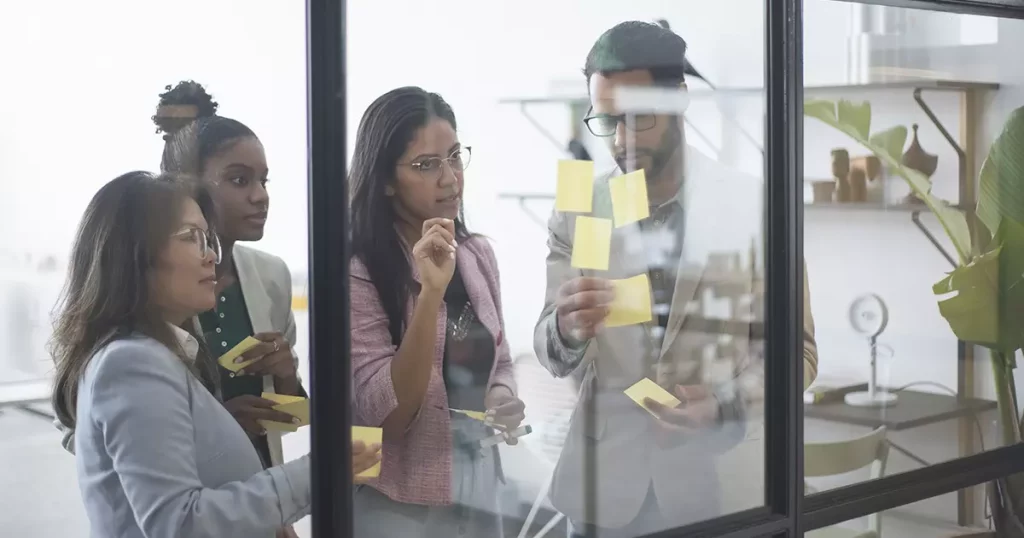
(625, 471)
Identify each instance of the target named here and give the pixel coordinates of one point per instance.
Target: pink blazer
(417, 468)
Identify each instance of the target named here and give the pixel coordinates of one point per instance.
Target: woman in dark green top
(253, 288)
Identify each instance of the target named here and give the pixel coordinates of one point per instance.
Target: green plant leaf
(857, 116)
(821, 109)
(852, 120)
(891, 140)
(1002, 176)
(983, 301)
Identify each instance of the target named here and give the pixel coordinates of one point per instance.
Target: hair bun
(182, 104)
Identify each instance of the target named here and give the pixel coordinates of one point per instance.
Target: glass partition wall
(826, 347)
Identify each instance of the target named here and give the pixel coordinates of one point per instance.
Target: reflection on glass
(902, 189)
(640, 373)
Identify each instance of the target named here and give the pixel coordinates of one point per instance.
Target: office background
(83, 85)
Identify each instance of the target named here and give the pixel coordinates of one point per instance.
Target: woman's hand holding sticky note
(227, 360)
(370, 437)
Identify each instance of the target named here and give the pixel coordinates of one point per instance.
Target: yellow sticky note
(281, 398)
(645, 388)
(629, 198)
(592, 243)
(227, 360)
(368, 436)
(632, 303)
(296, 406)
(575, 191)
(478, 415)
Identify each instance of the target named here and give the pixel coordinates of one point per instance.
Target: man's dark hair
(633, 45)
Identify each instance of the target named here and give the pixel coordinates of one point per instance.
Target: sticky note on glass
(629, 198)
(645, 388)
(592, 243)
(296, 406)
(227, 360)
(368, 436)
(575, 191)
(632, 303)
(478, 415)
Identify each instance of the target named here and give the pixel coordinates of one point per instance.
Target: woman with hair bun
(253, 288)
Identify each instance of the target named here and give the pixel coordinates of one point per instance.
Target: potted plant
(982, 299)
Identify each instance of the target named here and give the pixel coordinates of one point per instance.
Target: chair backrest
(827, 459)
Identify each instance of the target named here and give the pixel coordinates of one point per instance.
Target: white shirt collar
(187, 342)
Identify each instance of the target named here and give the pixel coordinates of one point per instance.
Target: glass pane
(84, 91)
(934, 516)
(663, 202)
(889, 357)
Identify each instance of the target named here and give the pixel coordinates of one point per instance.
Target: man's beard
(660, 157)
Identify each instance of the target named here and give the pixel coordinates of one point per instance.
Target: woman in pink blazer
(427, 330)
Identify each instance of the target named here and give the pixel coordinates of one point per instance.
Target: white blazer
(267, 288)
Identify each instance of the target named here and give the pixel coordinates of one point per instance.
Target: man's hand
(273, 357)
(248, 410)
(697, 412)
(505, 411)
(581, 307)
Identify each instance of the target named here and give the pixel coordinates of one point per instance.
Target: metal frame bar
(330, 437)
(784, 210)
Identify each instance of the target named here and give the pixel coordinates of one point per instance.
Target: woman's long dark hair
(106, 294)
(387, 128)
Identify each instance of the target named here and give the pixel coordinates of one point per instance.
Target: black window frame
(787, 512)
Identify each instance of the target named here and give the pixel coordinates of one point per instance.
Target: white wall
(79, 94)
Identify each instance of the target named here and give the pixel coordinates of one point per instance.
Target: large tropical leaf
(983, 301)
(1002, 176)
(855, 121)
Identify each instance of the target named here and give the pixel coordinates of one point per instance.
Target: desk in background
(913, 409)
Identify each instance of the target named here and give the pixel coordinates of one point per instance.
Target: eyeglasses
(431, 168)
(205, 240)
(604, 125)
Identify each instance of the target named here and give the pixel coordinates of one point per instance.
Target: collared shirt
(663, 244)
(662, 234)
(223, 328)
(187, 342)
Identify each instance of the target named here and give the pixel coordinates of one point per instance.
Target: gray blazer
(722, 209)
(267, 288)
(158, 456)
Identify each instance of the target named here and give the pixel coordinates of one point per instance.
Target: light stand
(869, 316)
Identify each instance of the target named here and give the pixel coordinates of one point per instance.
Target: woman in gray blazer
(157, 454)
